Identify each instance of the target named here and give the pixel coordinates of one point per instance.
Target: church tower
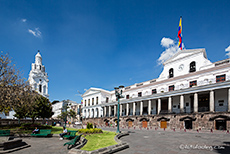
(38, 78)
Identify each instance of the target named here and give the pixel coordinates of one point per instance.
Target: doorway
(163, 124)
(220, 124)
(130, 124)
(188, 124)
(144, 124)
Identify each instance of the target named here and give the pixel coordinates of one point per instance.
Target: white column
(195, 105)
(134, 108)
(120, 109)
(211, 101)
(181, 103)
(109, 111)
(159, 106)
(115, 109)
(141, 108)
(127, 109)
(229, 100)
(104, 111)
(149, 107)
(170, 104)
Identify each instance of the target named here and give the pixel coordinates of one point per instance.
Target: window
(221, 102)
(171, 88)
(220, 78)
(127, 96)
(154, 91)
(35, 67)
(193, 83)
(96, 100)
(40, 88)
(140, 94)
(85, 102)
(187, 104)
(88, 102)
(40, 67)
(170, 72)
(192, 67)
(107, 99)
(92, 101)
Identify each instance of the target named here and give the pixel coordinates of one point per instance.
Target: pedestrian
(63, 133)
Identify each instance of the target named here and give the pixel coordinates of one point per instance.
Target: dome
(38, 54)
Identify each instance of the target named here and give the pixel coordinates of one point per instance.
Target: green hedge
(90, 131)
(31, 126)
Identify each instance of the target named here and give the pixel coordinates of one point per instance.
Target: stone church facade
(190, 93)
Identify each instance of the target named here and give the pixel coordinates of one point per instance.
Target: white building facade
(58, 107)
(191, 92)
(38, 78)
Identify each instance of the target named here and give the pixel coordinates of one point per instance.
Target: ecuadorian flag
(180, 34)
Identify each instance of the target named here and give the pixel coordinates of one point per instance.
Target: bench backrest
(72, 133)
(77, 138)
(45, 131)
(4, 131)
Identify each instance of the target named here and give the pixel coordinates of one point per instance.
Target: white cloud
(228, 51)
(35, 32)
(170, 49)
(23, 20)
(166, 42)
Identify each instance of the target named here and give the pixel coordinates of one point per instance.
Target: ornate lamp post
(118, 93)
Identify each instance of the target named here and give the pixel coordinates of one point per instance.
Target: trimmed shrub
(89, 125)
(90, 131)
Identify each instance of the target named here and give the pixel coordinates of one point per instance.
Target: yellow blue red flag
(180, 34)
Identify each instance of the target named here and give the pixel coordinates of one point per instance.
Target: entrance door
(221, 124)
(163, 124)
(130, 123)
(188, 124)
(144, 124)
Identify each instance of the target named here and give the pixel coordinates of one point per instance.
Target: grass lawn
(97, 141)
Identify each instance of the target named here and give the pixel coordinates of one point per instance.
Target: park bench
(43, 132)
(73, 142)
(4, 132)
(70, 134)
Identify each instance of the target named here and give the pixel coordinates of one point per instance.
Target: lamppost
(118, 93)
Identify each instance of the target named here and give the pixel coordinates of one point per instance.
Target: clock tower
(38, 78)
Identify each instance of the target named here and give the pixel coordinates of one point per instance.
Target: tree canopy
(15, 91)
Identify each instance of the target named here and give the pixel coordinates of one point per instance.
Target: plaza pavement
(43, 145)
(169, 142)
(145, 142)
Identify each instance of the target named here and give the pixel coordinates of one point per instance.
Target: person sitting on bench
(64, 133)
(35, 131)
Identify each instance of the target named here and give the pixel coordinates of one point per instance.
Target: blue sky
(106, 43)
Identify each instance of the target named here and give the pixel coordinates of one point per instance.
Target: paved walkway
(164, 142)
(145, 142)
(43, 145)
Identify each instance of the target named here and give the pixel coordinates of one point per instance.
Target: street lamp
(118, 93)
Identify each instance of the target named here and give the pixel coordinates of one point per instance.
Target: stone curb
(110, 149)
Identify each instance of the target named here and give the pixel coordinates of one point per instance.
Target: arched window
(192, 67)
(44, 89)
(40, 88)
(170, 72)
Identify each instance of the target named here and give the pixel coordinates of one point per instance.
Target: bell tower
(38, 78)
